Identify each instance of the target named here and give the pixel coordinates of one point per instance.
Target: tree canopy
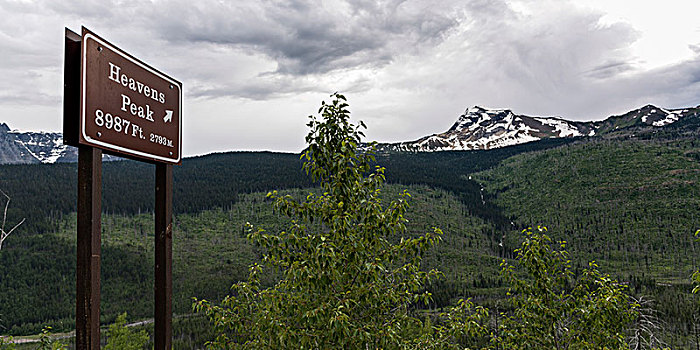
(349, 275)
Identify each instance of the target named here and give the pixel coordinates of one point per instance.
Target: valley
(628, 199)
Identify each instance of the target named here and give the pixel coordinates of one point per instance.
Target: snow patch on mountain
(561, 127)
(47, 148)
(670, 118)
(17, 147)
(657, 116)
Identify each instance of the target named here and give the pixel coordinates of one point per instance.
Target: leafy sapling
(349, 275)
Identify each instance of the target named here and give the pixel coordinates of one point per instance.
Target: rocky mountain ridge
(31, 147)
(481, 128)
(18, 147)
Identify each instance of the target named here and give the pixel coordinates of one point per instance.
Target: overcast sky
(252, 71)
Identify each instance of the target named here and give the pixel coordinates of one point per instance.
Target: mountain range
(483, 129)
(478, 128)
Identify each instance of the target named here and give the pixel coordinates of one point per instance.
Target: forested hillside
(45, 192)
(210, 253)
(631, 205)
(629, 201)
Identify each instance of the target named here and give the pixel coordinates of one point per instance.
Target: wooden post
(88, 100)
(163, 257)
(87, 307)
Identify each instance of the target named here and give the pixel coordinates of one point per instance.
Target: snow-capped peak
(476, 116)
(17, 147)
(487, 128)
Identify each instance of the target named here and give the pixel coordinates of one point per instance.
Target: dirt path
(35, 338)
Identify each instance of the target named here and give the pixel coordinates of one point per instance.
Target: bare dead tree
(3, 233)
(648, 328)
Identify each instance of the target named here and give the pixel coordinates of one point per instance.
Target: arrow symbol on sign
(168, 116)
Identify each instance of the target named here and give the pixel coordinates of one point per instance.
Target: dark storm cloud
(306, 45)
(310, 37)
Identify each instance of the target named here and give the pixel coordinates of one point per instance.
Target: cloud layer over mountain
(253, 70)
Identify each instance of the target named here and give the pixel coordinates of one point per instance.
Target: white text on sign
(134, 85)
(118, 124)
(137, 110)
(122, 125)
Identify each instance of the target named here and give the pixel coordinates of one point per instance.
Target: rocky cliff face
(33, 147)
(12, 152)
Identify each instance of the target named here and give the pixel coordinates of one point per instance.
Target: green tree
(555, 310)
(7, 343)
(120, 337)
(48, 342)
(349, 275)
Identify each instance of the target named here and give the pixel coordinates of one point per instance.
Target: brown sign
(128, 107)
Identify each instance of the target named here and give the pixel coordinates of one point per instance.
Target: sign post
(87, 313)
(164, 256)
(115, 103)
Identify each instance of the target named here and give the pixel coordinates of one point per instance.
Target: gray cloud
(86, 9)
(308, 37)
(673, 86)
(610, 69)
(550, 60)
(409, 67)
(695, 48)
